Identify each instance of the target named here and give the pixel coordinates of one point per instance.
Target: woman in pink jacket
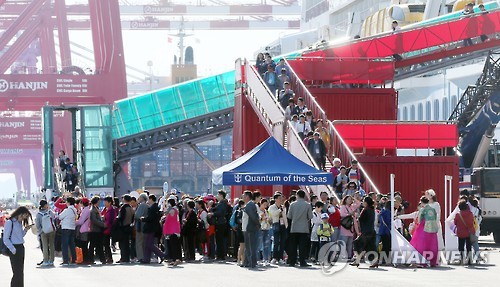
(348, 209)
(83, 228)
(172, 232)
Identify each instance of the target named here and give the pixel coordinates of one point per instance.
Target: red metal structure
(23, 87)
(58, 82)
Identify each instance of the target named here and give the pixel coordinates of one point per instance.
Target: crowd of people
(255, 231)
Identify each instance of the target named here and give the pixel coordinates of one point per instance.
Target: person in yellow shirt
(325, 230)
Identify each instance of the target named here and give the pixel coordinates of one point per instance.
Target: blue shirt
(17, 235)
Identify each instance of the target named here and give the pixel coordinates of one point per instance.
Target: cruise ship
(428, 97)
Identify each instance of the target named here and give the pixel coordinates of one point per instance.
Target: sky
(214, 52)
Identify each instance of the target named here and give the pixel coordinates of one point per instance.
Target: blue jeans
(336, 234)
(259, 245)
(265, 244)
(348, 241)
(68, 243)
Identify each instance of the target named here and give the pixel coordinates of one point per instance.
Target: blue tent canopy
(269, 164)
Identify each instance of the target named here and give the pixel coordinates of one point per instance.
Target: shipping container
(187, 153)
(176, 168)
(202, 168)
(414, 175)
(251, 134)
(176, 155)
(357, 104)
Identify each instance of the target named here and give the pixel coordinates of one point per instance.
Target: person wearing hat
(317, 149)
(45, 224)
(283, 68)
(325, 230)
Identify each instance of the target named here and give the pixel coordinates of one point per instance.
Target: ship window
(436, 110)
(420, 112)
(428, 111)
(446, 112)
(453, 102)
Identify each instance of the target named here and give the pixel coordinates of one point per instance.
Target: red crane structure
(24, 88)
(39, 30)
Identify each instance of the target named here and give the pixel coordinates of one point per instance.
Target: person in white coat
(315, 223)
(68, 226)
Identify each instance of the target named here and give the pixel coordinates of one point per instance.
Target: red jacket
(463, 230)
(109, 219)
(334, 218)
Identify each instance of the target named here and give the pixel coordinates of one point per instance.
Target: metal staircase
(272, 116)
(477, 95)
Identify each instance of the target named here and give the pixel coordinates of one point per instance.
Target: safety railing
(269, 111)
(415, 38)
(344, 153)
(337, 147)
(297, 147)
(272, 116)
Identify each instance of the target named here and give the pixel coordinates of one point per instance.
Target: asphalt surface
(229, 274)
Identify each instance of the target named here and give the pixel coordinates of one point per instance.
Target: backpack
(229, 213)
(48, 223)
(232, 221)
(4, 250)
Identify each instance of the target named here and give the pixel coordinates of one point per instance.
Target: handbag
(473, 238)
(347, 221)
(79, 235)
(4, 250)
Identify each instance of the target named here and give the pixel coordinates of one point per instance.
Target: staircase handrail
(333, 133)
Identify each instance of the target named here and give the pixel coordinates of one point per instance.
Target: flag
(170, 40)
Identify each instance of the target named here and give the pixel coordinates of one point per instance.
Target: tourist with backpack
(46, 225)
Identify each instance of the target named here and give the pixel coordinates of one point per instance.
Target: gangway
(186, 113)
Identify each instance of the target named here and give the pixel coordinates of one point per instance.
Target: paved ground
(228, 274)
